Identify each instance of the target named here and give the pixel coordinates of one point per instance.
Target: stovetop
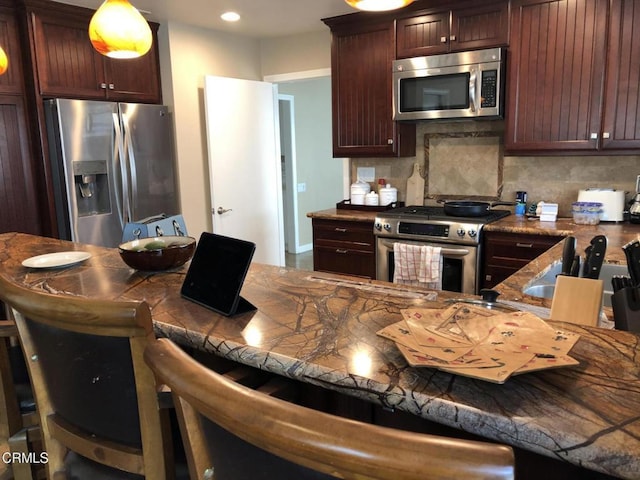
(425, 213)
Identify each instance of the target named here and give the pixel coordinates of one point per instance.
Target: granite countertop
(344, 214)
(321, 329)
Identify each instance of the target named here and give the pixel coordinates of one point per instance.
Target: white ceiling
(260, 18)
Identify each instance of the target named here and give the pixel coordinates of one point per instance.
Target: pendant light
(378, 5)
(118, 30)
(4, 61)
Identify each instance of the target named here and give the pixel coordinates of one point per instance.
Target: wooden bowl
(158, 253)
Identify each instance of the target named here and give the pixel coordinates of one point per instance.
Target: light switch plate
(366, 174)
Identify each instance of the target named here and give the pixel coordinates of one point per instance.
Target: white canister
(371, 199)
(358, 190)
(388, 194)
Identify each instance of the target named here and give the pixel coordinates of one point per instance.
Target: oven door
(459, 264)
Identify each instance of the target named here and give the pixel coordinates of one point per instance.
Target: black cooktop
(437, 213)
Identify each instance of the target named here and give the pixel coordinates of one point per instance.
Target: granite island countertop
(321, 329)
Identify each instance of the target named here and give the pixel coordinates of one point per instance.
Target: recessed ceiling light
(230, 16)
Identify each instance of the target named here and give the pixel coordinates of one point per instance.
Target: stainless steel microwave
(456, 85)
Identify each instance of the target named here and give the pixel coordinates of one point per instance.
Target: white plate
(55, 260)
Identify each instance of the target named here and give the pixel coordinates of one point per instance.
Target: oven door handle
(448, 252)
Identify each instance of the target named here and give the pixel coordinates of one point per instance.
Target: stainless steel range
(458, 237)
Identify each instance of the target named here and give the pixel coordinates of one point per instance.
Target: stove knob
(387, 227)
(378, 226)
(461, 232)
(473, 233)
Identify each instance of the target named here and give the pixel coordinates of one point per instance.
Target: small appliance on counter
(612, 202)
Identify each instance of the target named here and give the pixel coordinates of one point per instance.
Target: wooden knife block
(577, 300)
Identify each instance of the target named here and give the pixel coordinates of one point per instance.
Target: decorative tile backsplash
(454, 165)
(463, 165)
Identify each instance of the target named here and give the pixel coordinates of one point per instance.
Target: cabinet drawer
(333, 231)
(517, 247)
(349, 261)
(506, 253)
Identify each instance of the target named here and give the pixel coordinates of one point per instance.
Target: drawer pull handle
(341, 250)
(341, 230)
(524, 245)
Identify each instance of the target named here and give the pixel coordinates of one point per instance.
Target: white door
(244, 163)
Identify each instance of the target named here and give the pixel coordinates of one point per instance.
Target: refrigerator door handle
(122, 190)
(131, 164)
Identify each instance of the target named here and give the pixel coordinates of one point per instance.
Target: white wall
(296, 53)
(189, 53)
(315, 165)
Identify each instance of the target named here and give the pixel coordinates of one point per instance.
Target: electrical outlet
(366, 174)
(302, 187)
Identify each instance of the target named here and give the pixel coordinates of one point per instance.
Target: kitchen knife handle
(575, 266)
(568, 254)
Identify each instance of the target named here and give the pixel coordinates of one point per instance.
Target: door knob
(223, 210)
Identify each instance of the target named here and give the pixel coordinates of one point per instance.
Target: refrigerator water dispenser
(92, 187)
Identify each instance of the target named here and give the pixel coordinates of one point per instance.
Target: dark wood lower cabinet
(19, 193)
(344, 247)
(506, 253)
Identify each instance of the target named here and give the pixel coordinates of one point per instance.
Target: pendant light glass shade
(4, 61)
(119, 30)
(378, 5)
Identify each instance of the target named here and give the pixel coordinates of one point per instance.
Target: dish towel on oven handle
(419, 265)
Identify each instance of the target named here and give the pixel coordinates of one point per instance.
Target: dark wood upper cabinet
(621, 125)
(135, 79)
(13, 80)
(361, 59)
(68, 66)
(469, 28)
(574, 77)
(556, 74)
(423, 35)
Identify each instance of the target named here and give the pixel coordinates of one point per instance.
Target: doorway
(312, 179)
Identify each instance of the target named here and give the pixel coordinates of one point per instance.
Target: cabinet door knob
(103, 86)
(606, 135)
(593, 136)
(443, 39)
(452, 38)
(111, 86)
(389, 141)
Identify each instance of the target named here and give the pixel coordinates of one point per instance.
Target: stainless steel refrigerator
(112, 163)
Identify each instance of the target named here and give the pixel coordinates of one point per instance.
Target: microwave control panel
(489, 89)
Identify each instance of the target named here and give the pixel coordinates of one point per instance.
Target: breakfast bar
(321, 329)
